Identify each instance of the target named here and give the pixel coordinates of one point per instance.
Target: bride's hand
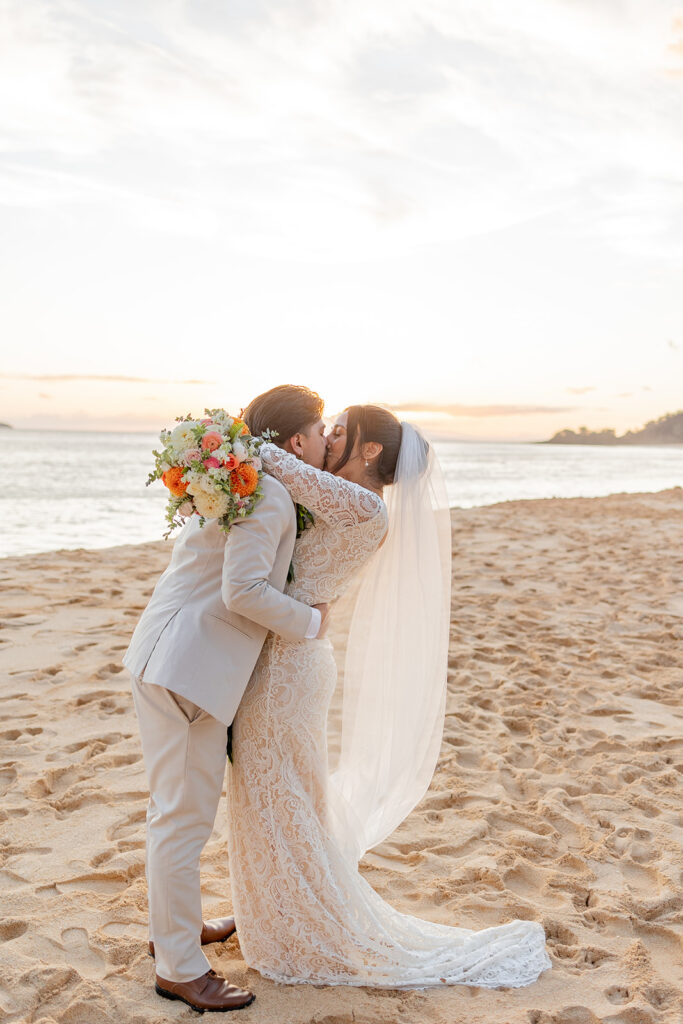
(324, 610)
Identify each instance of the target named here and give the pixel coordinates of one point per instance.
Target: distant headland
(666, 430)
(5, 426)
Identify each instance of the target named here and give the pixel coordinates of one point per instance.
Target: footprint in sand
(618, 994)
(661, 997)
(634, 842)
(601, 920)
(112, 668)
(97, 743)
(87, 961)
(56, 780)
(110, 882)
(130, 826)
(120, 760)
(88, 698)
(10, 735)
(592, 956)
(71, 749)
(558, 934)
(8, 775)
(12, 929)
(111, 707)
(101, 858)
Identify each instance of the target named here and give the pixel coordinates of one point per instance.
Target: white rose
(239, 451)
(211, 506)
(197, 482)
(182, 436)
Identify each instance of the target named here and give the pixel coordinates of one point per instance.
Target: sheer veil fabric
(304, 912)
(396, 661)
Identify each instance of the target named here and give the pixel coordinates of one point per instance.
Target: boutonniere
(304, 519)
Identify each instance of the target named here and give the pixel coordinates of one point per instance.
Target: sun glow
(383, 205)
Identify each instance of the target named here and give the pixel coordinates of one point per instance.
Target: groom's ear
(293, 444)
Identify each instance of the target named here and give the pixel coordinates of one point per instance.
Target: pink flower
(206, 422)
(211, 463)
(211, 441)
(192, 456)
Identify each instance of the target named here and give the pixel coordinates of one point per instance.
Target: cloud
(314, 129)
(580, 391)
(62, 378)
(481, 410)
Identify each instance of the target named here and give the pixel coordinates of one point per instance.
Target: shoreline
(435, 438)
(556, 797)
(674, 492)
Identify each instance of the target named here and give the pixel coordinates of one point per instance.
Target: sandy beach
(557, 796)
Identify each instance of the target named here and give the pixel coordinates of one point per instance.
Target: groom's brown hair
(287, 410)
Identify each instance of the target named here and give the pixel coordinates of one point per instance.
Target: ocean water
(74, 490)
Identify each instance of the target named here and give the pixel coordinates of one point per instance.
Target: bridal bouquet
(211, 467)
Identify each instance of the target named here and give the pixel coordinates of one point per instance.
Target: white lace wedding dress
(303, 911)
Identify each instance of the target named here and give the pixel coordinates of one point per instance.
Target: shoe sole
(201, 1009)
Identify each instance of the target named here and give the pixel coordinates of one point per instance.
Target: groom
(191, 657)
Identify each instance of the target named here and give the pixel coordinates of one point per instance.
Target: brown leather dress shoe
(218, 930)
(210, 992)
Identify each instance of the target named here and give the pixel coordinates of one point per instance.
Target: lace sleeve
(329, 497)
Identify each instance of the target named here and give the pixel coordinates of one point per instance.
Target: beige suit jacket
(211, 610)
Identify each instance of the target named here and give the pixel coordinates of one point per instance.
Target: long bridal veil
(396, 661)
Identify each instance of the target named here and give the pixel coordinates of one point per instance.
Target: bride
(303, 911)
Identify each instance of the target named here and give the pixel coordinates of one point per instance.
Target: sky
(468, 210)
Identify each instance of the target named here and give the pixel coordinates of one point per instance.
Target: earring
(366, 463)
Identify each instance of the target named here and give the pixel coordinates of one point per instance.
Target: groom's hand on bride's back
(324, 610)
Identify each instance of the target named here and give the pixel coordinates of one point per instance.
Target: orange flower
(244, 429)
(244, 480)
(173, 478)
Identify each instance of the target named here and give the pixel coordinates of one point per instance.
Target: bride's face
(336, 443)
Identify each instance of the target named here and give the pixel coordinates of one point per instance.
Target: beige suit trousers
(184, 752)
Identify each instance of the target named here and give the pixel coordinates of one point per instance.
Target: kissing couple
(234, 635)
